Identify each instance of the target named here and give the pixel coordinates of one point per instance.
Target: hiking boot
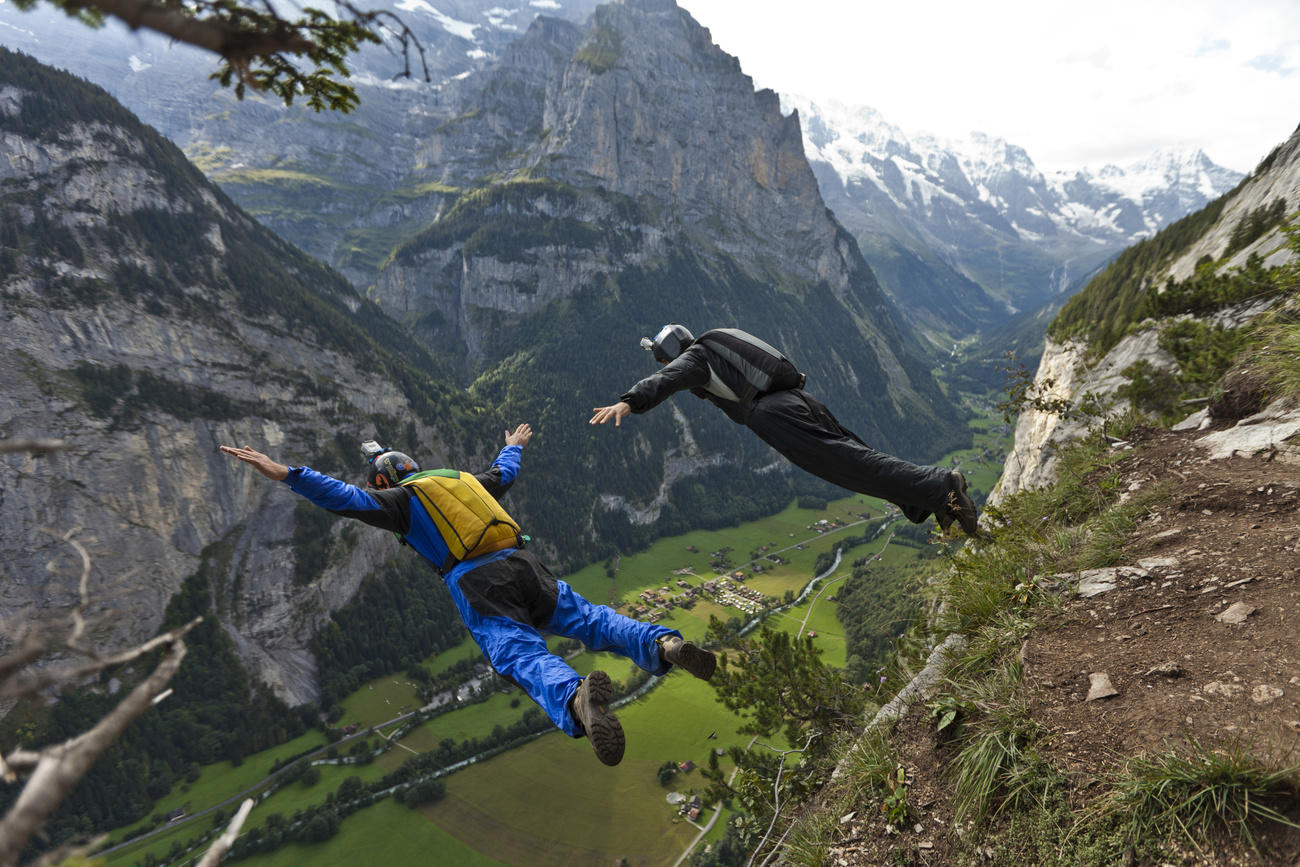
(958, 507)
(698, 661)
(590, 708)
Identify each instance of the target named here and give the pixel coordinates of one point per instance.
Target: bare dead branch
(34, 446)
(69, 851)
(34, 682)
(58, 768)
(28, 652)
(401, 33)
(227, 838)
(776, 795)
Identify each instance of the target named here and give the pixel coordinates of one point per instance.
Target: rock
(1094, 582)
(1159, 563)
(1100, 687)
(1165, 669)
(848, 817)
(1225, 690)
(1166, 535)
(1259, 432)
(1265, 694)
(1235, 614)
(1293, 725)
(1193, 421)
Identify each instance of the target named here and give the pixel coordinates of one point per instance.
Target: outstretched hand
(271, 469)
(521, 435)
(615, 412)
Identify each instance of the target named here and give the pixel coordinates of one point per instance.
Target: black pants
(799, 427)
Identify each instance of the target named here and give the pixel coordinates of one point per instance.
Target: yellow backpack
(471, 521)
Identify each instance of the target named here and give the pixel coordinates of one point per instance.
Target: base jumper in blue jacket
(506, 598)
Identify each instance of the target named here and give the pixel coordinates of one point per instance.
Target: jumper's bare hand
(615, 412)
(521, 435)
(264, 465)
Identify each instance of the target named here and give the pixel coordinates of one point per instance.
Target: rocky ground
(1196, 638)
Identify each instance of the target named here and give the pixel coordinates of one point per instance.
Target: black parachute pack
(763, 367)
(471, 521)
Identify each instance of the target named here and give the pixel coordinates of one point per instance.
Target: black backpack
(762, 367)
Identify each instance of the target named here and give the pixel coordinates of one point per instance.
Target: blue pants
(508, 603)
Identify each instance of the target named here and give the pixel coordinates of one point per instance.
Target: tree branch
(56, 769)
(35, 446)
(34, 682)
(227, 839)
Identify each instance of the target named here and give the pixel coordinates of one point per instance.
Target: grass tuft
(1195, 793)
(996, 766)
(1278, 358)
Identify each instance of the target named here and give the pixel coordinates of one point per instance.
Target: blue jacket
(397, 509)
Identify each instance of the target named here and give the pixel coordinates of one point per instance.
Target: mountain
(1096, 681)
(647, 182)
(181, 324)
(147, 320)
(965, 233)
(1164, 319)
(339, 187)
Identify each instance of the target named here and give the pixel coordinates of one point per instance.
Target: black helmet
(671, 341)
(387, 467)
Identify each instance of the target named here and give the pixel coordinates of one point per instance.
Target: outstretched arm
(521, 435)
(387, 510)
(498, 478)
(686, 371)
(273, 470)
(614, 412)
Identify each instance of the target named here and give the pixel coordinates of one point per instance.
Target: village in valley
(728, 586)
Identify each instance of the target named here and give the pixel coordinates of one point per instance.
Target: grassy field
(387, 833)
(223, 780)
(380, 700)
(551, 802)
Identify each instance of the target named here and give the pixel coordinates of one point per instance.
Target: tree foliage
(259, 49)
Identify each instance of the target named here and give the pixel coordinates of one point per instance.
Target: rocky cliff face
(146, 320)
(648, 182)
(1070, 371)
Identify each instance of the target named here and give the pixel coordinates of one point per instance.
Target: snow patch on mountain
(1112, 204)
(463, 29)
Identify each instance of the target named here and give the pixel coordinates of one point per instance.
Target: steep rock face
(1068, 371)
(146, 320)
(976, 222)
(638, 178)
(655, 184)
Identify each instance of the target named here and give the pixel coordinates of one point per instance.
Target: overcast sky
(1073, 83)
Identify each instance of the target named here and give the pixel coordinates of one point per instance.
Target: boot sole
(603, 728)
(699, 662)
(963, 508)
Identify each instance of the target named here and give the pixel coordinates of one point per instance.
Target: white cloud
(1073, 84)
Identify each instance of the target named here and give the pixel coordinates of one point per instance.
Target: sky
(1075, 84)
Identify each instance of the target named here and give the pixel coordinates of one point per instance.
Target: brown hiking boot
(958, 507)
(590, 707)
(698, 661)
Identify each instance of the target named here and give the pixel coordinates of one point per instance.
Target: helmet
(671, 341)
(388, 468)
